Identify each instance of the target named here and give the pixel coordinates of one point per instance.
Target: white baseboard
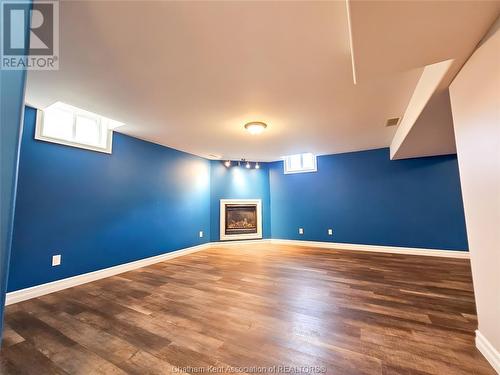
(54, 286)
(239, 242)
(376, 248)
(488, 351)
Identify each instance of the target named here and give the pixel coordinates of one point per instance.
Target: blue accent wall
(100, 210)
(368, 199)
(12, 86)
(238, 183)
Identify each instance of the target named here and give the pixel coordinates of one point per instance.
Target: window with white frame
(64, 124)
(300, 163)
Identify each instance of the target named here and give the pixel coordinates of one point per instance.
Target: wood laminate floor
(254, 308)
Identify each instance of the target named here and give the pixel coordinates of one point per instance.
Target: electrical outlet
(330, 232)
(301, 230)
(56, 260)
(201, 233)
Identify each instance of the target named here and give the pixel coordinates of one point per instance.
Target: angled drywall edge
(426, 86)
(351, 46)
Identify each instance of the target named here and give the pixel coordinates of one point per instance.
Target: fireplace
(240, 219)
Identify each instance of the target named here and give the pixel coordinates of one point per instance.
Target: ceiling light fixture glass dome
(255, 127)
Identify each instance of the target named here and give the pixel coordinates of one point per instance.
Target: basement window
(70, 126)
(300, 163)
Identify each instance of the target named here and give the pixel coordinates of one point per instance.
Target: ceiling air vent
(393, 121)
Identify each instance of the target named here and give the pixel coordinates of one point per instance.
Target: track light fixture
(241, 162)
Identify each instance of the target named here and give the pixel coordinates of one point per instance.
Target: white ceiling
(189, 75)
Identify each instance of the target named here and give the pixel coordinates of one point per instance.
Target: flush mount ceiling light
(255, 127)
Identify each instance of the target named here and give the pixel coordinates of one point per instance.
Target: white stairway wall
(475, 102)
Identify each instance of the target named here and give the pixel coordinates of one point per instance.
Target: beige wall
(475, 102)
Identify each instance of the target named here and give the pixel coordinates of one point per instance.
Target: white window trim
(287, 171)
(39, 136)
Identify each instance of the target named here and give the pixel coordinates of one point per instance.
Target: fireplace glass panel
(241, 219)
